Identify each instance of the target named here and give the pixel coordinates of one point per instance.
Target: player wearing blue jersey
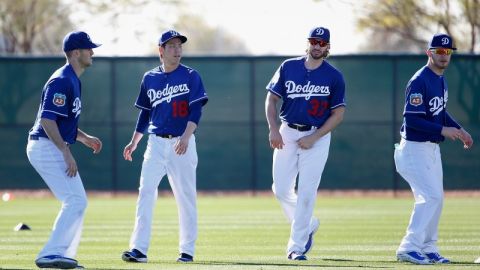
(55, 129)
(313, 103)
(170, 102)
(426, 123)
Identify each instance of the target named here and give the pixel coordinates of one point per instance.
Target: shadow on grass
(303, 265)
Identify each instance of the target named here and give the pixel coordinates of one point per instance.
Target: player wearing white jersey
(170, 102)
(313, 104)
(56, 127)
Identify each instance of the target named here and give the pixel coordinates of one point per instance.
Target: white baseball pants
(308, 165)
(159, 160)
(48, 161)
(420, 164)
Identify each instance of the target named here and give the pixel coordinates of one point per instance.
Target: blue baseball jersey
(167, 96)
(60, 102)
(308, 96)
(426, 97)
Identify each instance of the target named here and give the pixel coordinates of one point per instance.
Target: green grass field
(244, 232)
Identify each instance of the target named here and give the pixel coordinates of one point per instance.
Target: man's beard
(318, 57)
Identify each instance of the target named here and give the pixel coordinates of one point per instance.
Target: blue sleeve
(56, 96)
(198, 93)
(338, 95)
(195, 112)
(143, 102)
(142, 121)
(276, 84)
(415, 95)
(450, 122)
(417, 122)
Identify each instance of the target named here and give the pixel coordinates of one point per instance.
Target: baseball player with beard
(313, 103)
(426, 123)
(48, 150)
(170, 102)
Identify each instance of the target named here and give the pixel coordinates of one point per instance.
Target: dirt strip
(45, 193)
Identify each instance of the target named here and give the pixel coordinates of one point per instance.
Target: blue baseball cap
(78, 40)
(320, 32)
(442, 41)
(168, 35)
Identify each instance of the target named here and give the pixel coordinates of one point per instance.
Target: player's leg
(416, 163)
(431, 233)
(48, 161)
(285, 170)
(153, 169)
(181, 171)
(311, 164)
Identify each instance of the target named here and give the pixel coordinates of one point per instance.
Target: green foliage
(243, 232)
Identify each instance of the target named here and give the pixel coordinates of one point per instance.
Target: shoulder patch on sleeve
(416, 99)
(59, 99)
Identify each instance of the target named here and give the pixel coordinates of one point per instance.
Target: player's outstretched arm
(89, 141)
(132, 145)
(274, 136)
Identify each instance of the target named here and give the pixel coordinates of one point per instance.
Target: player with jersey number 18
(426, 123)
(170, 101)
(313, 103)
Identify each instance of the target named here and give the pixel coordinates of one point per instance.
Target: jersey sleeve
(415, 97)
(143, 101)
(276, 84)
(338, 93)
(197, 90)
(450, 122)
(55, 101)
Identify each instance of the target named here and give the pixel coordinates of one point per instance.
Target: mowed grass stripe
(243, 232)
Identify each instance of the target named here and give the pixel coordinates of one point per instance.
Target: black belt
(437, 142)
(300, 127)
(33, 137)
(166, 136)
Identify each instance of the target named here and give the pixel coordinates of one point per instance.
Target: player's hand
(129, 149)
(181, 145)
(306, 142)
(466, 139)
(452, 133)
(94, 143)
(72, 168)
(275, 139)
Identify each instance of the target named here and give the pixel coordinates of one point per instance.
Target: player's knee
(281, 192)
(78, 203)
(434, 198)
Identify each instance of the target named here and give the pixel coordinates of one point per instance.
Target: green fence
(232, 139)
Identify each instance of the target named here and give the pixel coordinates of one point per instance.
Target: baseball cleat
(413, 257)
(184, 257)
(477, 260)
(309, 244)
(56, 261)
(296, 256)
(134, 256)
(434, 257)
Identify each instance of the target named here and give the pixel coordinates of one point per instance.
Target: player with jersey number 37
(313, 103)
(426, 123)
(170, 102)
